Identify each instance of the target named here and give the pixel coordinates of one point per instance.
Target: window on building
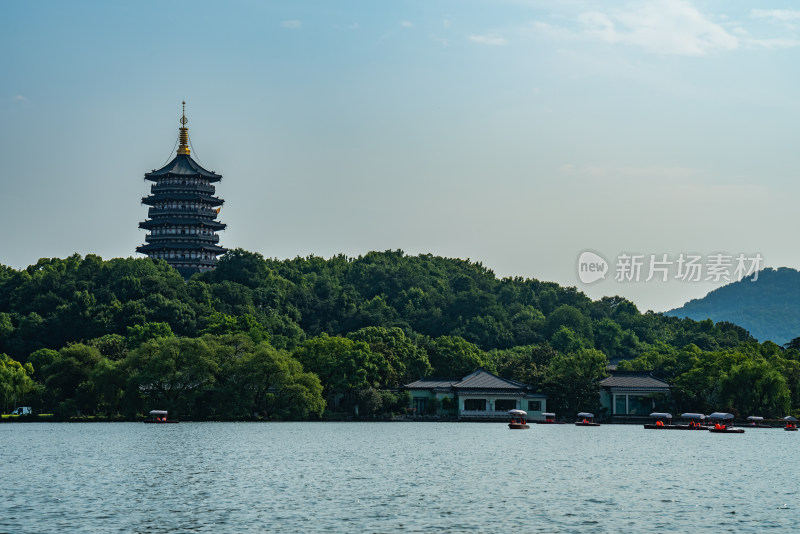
(503, 405)
(534, 406)
(475, 404)
(420, 405)
(621, 407)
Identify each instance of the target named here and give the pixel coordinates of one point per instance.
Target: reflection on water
(392, 477)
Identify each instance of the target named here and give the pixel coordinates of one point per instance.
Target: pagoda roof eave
(182, 166)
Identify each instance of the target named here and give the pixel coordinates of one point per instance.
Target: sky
(519, 134)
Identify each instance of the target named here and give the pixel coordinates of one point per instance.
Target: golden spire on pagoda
(183, 137)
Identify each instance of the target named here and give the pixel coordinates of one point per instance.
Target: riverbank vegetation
(312, 337)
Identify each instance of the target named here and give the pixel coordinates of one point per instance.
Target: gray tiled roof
(432, 383)
(183, 165)
(481, 379)
(633, 381)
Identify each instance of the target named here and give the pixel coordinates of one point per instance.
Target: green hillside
(312, 337)
(769, 307)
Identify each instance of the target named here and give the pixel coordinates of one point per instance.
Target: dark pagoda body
(182, 221)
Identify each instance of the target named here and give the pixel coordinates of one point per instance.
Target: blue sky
(514, 133)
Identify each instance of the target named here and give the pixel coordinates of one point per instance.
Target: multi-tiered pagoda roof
(182, 226)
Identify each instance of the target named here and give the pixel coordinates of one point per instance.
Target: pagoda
(182, 226)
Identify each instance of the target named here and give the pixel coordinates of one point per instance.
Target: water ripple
(376, 477)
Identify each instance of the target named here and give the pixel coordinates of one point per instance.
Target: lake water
(393, 477)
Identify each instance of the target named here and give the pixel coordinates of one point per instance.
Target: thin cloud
(489, 39)
(20, 98)
(775, 15)
(772, 44)
(669, 27)
(292, 24)
(406, 24)
(672, 27)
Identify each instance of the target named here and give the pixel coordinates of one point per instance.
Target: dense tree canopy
(270, 338)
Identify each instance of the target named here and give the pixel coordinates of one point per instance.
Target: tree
(6, 329)
(112, 346)
(755, 388)
(566, 340)
(340, 363)
(260, 379)
(452, 356)
(220, 323)
(793, 344)
(406, 361)
(608, 336)
(699, 386)
(170, 373)
(571, 381)
(66, 379)
(138, 334)
(525, 364)
(570, 317)
(15, 382)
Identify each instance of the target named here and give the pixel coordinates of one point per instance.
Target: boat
(697, 421)
(661, 421)
(723, 424)
(549, 419)
(159, 417)
(756, 421)
(791, 423)
(518, 419)
(586, 419)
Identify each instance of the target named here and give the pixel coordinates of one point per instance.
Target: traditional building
(479, 396)
(182, 226)
(629, 394)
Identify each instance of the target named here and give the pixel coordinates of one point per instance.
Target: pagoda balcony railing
(189, 261)
(161, 188)
(181, 212)
(196, 238)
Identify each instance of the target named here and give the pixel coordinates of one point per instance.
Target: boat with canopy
(586, 419)
(661, 421)
(756, 421)
(518, 419)
(697, 421)
(549, 419)
(791, 423)
(159, 417)
(723, 424)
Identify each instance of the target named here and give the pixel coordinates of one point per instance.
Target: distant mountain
(768, 308)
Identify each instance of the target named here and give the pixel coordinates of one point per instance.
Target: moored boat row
(717, 422)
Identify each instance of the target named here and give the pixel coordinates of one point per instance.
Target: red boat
(697, 421)
(723, 424)
(662, 421)
(159, 417)
(518, 419)
(586, 419)
(791, 423)
(550, 419)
